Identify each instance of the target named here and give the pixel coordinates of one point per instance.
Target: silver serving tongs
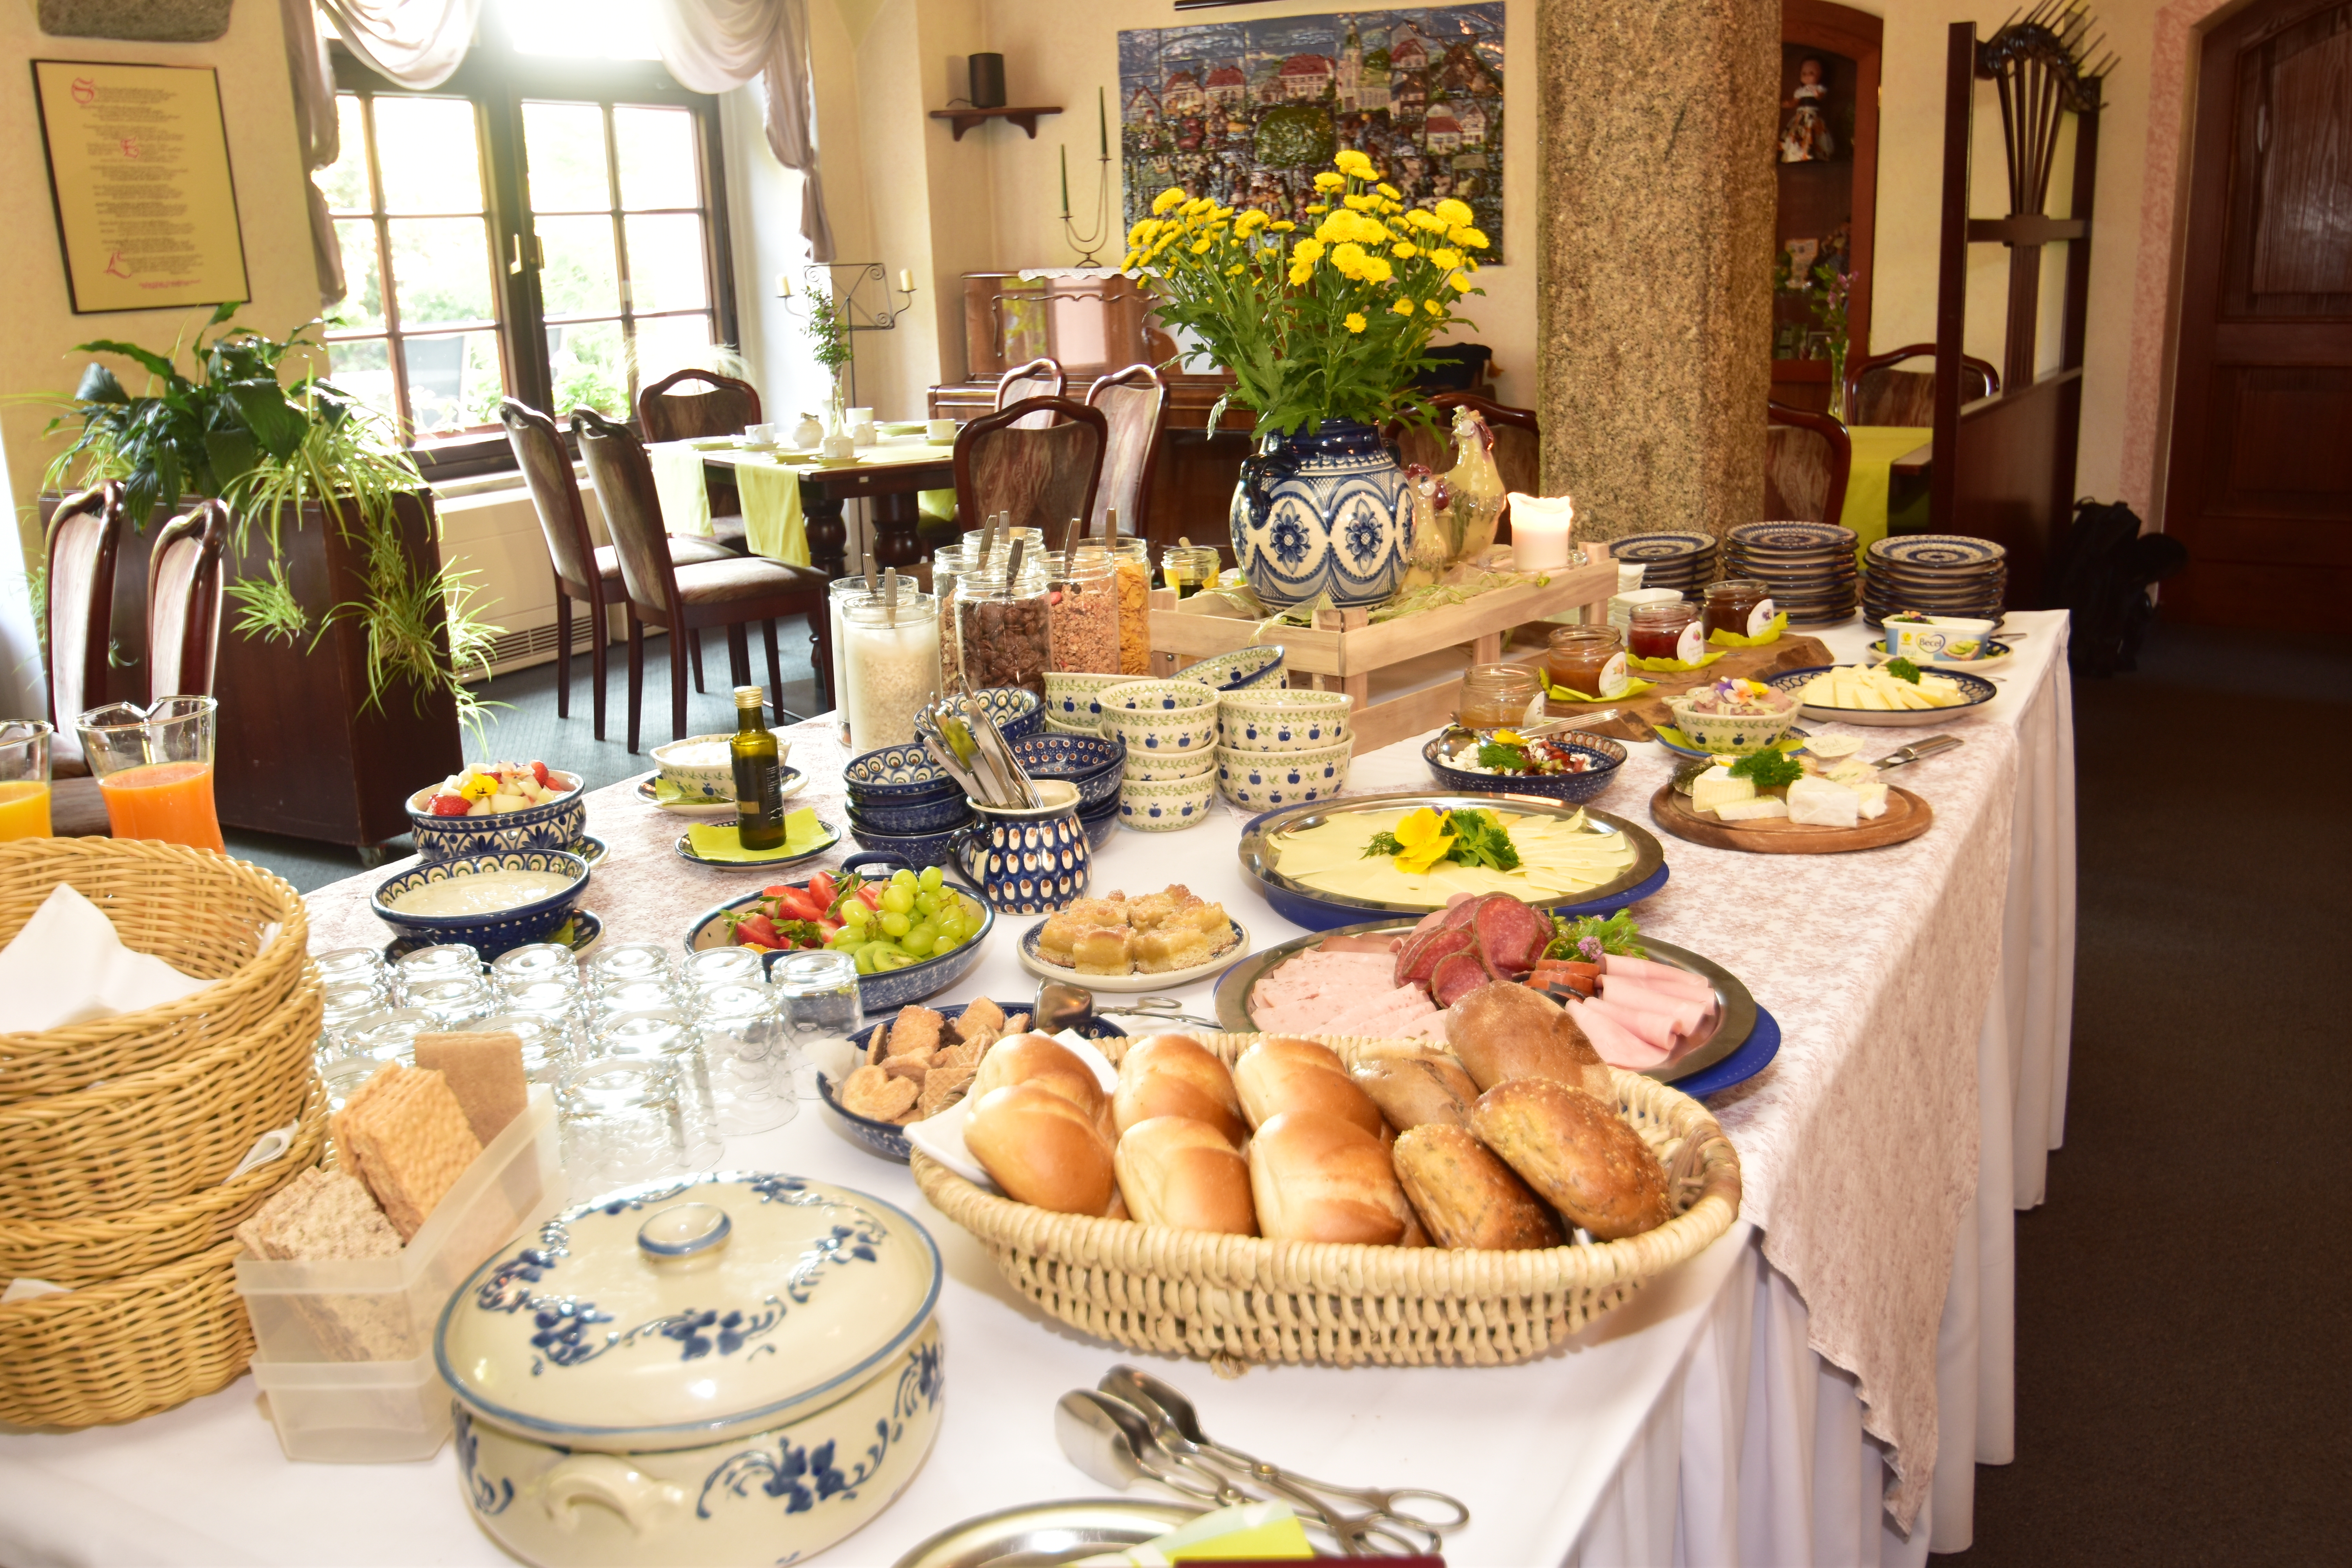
(996, 753)
(949, 739)
(1919, 749)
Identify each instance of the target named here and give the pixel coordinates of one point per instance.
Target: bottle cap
(748, 696)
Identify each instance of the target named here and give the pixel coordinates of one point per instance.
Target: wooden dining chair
(183, 602)
(728, 408)
(1807, 460)
(85, 536)
(1518, 444)
(585, 571)
(1040, 458)
(684, 599)
(1040, 377)
(1134, 402)
(1878, 394)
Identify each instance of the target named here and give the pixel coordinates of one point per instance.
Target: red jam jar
(1731, 606)
(1667, 631)
(1589, 659)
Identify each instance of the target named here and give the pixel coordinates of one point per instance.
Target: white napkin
(941, 1136)
(67, 966)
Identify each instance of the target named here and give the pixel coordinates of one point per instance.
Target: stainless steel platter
(1046, 1533)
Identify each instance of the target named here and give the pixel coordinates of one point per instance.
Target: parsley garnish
(1383, 844)
(1495, 754)
(1585, 941)
(1903, 669)
(1768, 768)
(1480, 840)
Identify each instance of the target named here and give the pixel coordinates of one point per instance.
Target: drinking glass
(346, 1003)
(547, 1053)
(24, 779)
(452, 1003)
(820, 1006)
(627, 962)
(342, 1076)
(722, 967)
(351, 963)
(666, 1034)
(552, 999)
(442, 961)
(749, 1057)
(633, 996)
(535, 961)
(389, 1035)
(621, 1125)
(154, 768)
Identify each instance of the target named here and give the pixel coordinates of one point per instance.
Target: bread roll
(1576, 1154)
(1503, 1030)
(1175, 1170)
(1319, 1177)
(1046, 1062)
(1278, 1074)
(1417, 1090)
(1175, 1075)
(1466, 1196)
(1042, 1150)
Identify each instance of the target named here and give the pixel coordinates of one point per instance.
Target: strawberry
(449, 804)
(539, 771)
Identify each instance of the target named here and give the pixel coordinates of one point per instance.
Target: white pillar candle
(1539, 531)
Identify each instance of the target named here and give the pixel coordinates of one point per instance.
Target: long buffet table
(1825, 1376)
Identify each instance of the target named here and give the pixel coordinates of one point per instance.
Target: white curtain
(716, 46)
(318, 133)
(416, 43)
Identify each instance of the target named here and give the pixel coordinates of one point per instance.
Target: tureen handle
(645, 1502)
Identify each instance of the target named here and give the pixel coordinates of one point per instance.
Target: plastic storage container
(356, 1412)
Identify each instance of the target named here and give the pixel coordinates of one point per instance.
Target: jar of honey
(1589, 659)
(1669, 630)
(1739, 605)
(1501, 697)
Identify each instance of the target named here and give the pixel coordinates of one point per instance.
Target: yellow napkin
(677, 482)
(1251, 1531)
(1770, 634)
(803, 834)
(1632, 689)
(772, 523)
(1669, 666)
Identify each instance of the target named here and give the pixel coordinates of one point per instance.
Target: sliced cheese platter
(1818, 800)
(1906, 817)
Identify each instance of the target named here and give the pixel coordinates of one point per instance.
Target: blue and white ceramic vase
(1028, 860)
(1323, 511)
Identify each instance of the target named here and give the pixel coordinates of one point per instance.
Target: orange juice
(24, 809)
(170, 801)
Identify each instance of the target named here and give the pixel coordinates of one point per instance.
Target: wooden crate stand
(1341, 650)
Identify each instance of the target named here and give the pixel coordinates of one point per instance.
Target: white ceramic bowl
(1157, 768)
(1166, 805)
(710, 783)
(1158, 718)
(1070, 700)
(1283, 720)
(1260, 781)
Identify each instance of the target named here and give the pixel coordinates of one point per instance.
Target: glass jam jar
(1501, 695)
(1589, 659)
(1667, 631)
(892, 657)
(1188, 568)
(1739, 605)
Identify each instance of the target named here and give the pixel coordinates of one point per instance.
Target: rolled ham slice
(1655, 1029)
(1660, 976)
(1687, 1013)
(1618, 1045)
(1359, 945)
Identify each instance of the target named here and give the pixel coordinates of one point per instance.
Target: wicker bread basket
(81, 1251)
(202, 913)
(125, 1348)
(165, 1134)
(1235, 1299)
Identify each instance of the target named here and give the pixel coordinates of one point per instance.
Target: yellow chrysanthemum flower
(1237, 268)
(1203, 246)
(1307, 251)
(1141, 233)
(1468, 238)
(1249, 221)
(1300, 272)
(1376, 270)
(1432, 307)
(1348, 258)
(1355, 321)
(1421, 218)
(1197, 205)
(1356, 163)
(1328, 182)
(1283, 227)
(1405, 250)
(1389, 191)
(1454, 213)
(1448, 259)
(1460, 283)
(1402, 307)
(1172, 196)
(1359, 202)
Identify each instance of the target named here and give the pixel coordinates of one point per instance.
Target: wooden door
(2260, 487)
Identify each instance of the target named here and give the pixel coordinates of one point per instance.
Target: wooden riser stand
(1342, 651)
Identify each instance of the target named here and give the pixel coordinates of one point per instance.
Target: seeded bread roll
(1576, 1154)
(1319, 1177)
(1174, 1170)
(1278, 1074)
(1175, 1075)
(1420, 1089)
(1465, 1195)
(1042, 1150)
(1503, 1030)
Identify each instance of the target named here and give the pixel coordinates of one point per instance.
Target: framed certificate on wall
(139, 173)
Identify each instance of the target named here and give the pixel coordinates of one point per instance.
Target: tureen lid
(681, 1312)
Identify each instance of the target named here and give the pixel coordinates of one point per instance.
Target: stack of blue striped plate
(1808, 566)
(1936, 574)
(1683, 561)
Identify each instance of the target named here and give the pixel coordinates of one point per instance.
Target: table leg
(896, 518)
(828, 533)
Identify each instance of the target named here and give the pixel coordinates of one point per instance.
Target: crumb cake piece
(1103, 951)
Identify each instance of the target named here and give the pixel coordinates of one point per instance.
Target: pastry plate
(1735, 1020)
(1975, 690)
(685, 847)
(1037, 964)
(1049, 1531)
(579, 933)
(792, 784)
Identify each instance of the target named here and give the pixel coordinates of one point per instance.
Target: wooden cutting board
(1638, 718)
(1906, 817)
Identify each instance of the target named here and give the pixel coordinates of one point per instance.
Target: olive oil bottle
(759, 776)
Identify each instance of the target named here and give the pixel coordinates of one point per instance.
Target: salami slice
(1514, 935)
(1420, 955)
(1457, 975)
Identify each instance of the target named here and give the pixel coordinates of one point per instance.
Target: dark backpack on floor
(2101, 572)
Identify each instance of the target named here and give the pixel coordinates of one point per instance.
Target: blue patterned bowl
(917, 849)
(1091, 762)
(1071, 699)
(1260, 781)
(889, 1140)
(909, 817)
(878, 994)
(1018, 712)
(1234, 671)
(1100, 821)
(1160, 717)
(1283, 720)
(557, 824)
(488, 934)
(1603, 754)
(899, 774)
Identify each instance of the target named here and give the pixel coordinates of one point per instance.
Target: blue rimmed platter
(579, 933)
(1975, 691)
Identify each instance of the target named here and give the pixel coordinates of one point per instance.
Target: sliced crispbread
(407, 1137)
(484, 1071)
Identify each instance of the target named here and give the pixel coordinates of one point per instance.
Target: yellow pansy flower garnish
(1328, 182)
(1425, 839)
(1509, 738)
(1355, 321)
(1457, 214)
(1172, 196)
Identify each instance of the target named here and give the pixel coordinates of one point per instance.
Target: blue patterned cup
(1028, 860)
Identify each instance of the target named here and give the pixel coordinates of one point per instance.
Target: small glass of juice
(24, 779)
(154, 769)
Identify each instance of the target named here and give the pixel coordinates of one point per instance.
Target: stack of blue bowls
(1095, 764)
(900, 800)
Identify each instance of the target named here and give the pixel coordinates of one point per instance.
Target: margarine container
(1948, 639)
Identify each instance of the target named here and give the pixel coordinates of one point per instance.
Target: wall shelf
(964, 120)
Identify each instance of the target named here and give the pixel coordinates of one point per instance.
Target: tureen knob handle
(684, 1230)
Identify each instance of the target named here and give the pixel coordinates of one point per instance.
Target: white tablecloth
(1698, 1424)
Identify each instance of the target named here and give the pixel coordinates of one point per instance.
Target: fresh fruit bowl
(556, 824)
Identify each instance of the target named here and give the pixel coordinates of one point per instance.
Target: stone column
(1653, 302)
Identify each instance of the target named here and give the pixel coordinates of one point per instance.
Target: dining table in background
(890, 473)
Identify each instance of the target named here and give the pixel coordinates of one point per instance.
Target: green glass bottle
(759, 776)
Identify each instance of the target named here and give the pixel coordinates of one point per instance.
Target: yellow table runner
(772, 523)
(678, 483)
(1876, 447)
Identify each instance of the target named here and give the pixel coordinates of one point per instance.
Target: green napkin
(1770, 634)
(803, 834)
(1632, 689)
(1669, 666)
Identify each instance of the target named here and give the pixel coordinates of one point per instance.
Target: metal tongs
(961, 737)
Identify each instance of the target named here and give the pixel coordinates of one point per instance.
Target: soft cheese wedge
(1824, 803)
(1716, 789)
(1763, 806)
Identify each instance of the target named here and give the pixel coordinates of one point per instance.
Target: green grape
(932, 878)
(952, 932)
(902, 878)
(921, 941)
(926, 906)
(855, 913)
(899, 900)
(845, 937)
(895, 925)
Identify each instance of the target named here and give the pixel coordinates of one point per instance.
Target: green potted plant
(347, 623)
(1324, 334)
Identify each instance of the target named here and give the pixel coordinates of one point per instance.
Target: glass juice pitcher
(154, 768)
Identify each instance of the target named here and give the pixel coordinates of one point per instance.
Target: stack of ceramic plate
(1808, 566)
(1934, 574)
(1683, 561)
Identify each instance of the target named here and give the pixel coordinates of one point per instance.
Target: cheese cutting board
(1906, 817)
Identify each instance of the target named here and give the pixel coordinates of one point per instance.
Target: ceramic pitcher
(1028, 860)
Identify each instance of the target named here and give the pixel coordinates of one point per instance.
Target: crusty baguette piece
(1320, 1177)
(1175, 1075)
(1576, 1154)
(1504, 1030)
(1042, 1150)
(1465, 1195)
(1175, 1170)
(1279, 1073)
(1423, 1088)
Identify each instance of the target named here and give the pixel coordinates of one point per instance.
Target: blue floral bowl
(909, 817)
(1091, 762)
(1235, 671)
(557, 824)
(1602, 755)
(1018, 712)
(488, 934)
(917, 849)
(901, 775)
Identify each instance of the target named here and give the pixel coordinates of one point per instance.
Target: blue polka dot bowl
(899, 774)
(1094, 765)
(495, 931)
(1019, 712)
